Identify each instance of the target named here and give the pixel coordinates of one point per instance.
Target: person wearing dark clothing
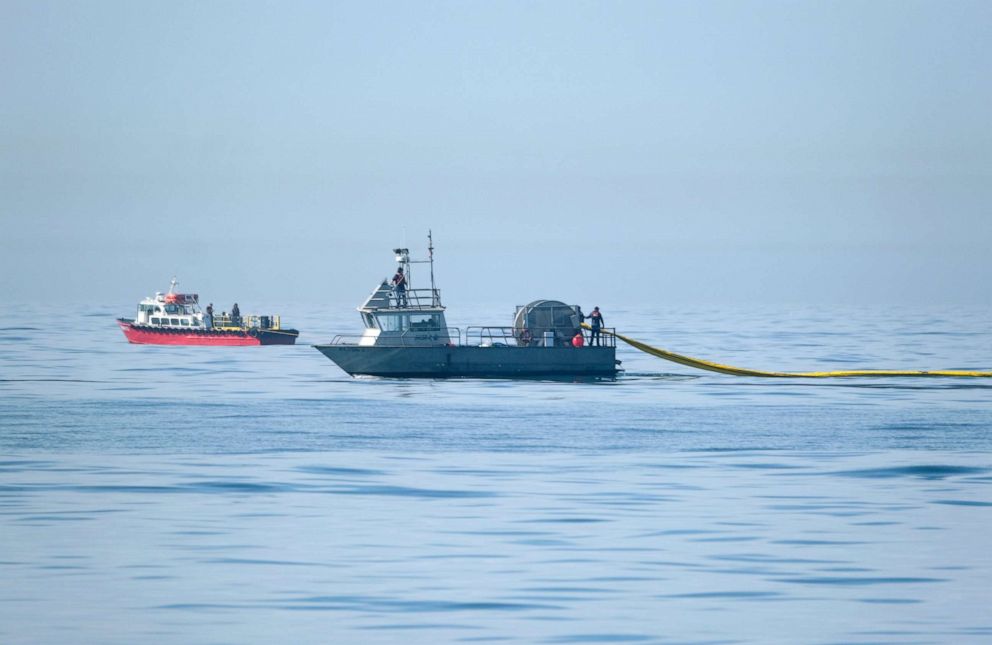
(210, 315)
(399, 286)
(236, 315)
(581, 318)
(596, 322)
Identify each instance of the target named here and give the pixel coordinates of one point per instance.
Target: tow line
(741, 371)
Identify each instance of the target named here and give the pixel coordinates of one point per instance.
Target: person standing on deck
(236, 316)
(596, 322)
(581, 318)
(210, 316)
(399, 286)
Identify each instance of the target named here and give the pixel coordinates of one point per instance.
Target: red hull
(146, 335)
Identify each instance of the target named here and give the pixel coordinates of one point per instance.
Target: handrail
(415, 299)
(516, 337)
(247, 321)
(405, 339)
(608, 337)
(491, 335)
(455, 338)
(487, 336)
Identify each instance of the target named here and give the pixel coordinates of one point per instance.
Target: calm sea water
(241, 495)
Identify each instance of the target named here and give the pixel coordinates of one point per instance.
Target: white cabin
(416, 320)
(171, 309)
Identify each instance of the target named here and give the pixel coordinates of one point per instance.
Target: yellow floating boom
(740, 371)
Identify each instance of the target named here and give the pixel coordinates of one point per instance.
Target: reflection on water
(232, 495)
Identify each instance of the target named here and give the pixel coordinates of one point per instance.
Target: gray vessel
(406, 336)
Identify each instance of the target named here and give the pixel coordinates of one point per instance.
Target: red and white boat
(176, 319)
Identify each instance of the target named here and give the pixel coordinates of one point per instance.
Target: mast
(430, 256)
(403, 257)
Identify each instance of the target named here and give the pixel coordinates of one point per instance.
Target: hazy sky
(609, 153)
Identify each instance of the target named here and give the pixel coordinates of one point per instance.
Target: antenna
(430, 257)
(403, 258)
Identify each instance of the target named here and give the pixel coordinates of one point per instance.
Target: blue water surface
(257, 495)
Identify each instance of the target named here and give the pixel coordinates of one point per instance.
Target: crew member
(210, 315)
(582, 318)
(399, 286)
(596, 322)
(236, 315)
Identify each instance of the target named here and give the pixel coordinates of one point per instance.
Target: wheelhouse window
(408, 322)
(425, 322)
(390, 322)
(156, 321)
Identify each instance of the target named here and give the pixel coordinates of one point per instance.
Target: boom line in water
(710, 366)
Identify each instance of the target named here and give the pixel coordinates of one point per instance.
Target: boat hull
(474, 362)
(151, 335)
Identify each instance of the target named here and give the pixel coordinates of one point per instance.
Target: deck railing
(245, 322)
(514, 337)
(415, 299)
(476, 337)
(410, 338)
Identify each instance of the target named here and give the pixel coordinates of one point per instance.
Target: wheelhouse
(170, 310)
(416, 318)
(404, 317)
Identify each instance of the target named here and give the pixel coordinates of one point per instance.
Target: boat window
(156, 321)
(425, 322)
(158, 310)
(369, 321)
(393, 322)
(184, 322)
(172, 309)
(146, 308)
(174, 321)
